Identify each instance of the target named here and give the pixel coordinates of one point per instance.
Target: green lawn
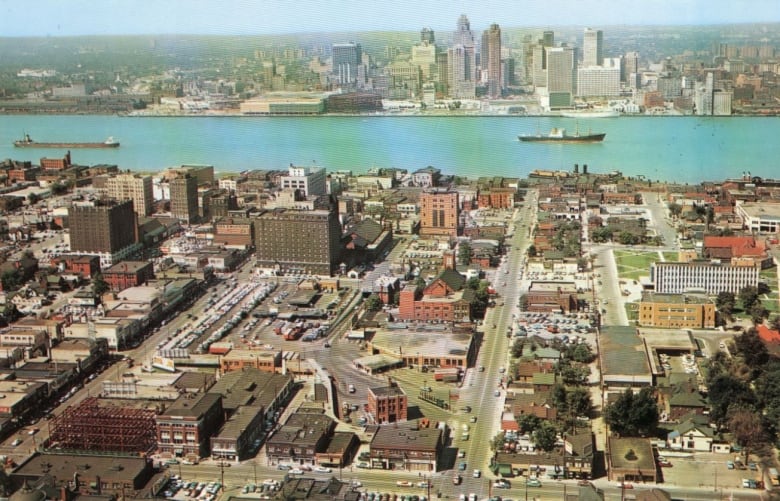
(670, 256)
(634, 264)
(770, 300)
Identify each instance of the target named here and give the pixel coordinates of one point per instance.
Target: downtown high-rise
(491, 59)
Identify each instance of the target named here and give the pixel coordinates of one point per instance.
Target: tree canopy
(633, 414)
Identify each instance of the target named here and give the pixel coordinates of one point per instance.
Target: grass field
(634, 264)
(670, 256)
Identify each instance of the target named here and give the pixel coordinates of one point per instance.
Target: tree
(724, 391)
(748, 296)
(747, 429)
(574, 374)
(725, 303)
(675, 209)
(545, 436)
(497, 442)
(99, 285)
(532, 250)
(528, 422)
(33, 198)
(373, 303)
(600, 235)
(464, 253)
(582, 353)
(628, 238)
(752, 349)
(758, 312)
(633, 414)
(11, 280)
(517, 348)
(774, 324)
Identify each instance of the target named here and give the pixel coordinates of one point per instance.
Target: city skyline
(245, 17)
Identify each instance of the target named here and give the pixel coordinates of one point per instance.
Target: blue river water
(681, 149)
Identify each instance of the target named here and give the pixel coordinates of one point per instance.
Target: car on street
(753, 466)
(467, 409)
(363, 465)
(533, 482)
(501, 484)
(322, 469)
(16, 442)
(462, 466)
(749, 483)
(730, 465)
(664, 463)
(296, 471)
(284, 467)
(404, 483)
(461, 453)
(476, 474)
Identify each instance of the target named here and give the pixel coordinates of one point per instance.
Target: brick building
(552, 297)
(387, 404)
(185, 428)
(676, 310)
(128, 274)
(411, 448)
(439, 213)
(444, 299)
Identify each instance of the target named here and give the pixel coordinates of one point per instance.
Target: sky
(259, 17)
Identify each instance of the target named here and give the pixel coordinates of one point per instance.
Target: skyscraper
(427, 36)
(184, 198)
(133, 187)
(629, 70)
(107, 229)
(491, 59)
(347, 58)
(561, 75)
(592, 48)
(461, 60)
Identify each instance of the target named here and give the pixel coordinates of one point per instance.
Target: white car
(477, 474)
(322, 469)
(295, 471)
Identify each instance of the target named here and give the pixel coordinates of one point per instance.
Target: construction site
(106, 426)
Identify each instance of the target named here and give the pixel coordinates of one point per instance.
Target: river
(682, 149)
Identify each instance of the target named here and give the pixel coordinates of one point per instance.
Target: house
(443, 300)
(693, 434)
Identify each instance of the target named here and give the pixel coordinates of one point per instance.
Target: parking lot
(703, 469)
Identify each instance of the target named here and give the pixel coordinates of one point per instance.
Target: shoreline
(391, 115)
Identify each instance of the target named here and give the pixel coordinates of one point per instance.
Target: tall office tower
(561, 75)
(310, 181)
(629, 70)
(424, 54)
(548, 38)
(442, 75)
(592, 48)
(426, 36)
(599, 81)
(299, 241)
(539, 59)
(133, 187)
(491, 59)
(347, 58)
(439, 213)
(703, 98)
(106, 229)
(184, 198)
(461, 59)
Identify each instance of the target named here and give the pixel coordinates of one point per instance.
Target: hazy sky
(89, 17)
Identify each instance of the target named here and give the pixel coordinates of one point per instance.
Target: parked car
(533, 482)
(730, 465)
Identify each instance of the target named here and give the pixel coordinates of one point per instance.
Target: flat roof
(127, 267)
(444, 343)
(552, 286)
(763, 210)
(63, 466)
(406, 438)
(631, 453)
(657, 297)
(623, 352)
(191, 405)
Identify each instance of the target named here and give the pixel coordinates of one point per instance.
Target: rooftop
(406, 438)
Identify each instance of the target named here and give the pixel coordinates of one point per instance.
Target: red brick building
(497, 198)
(444, 300)
(56, 163)
(85, 265)
(387, 404)
(127, 274)
(439, 213)
(552, 297)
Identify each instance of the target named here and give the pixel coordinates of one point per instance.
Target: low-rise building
(301, 438)
(387, 404)
(126, 274)
(552, 297)
(238, 359)
(410, 448)
(185, 428)
(694, 434)
(631, 460)
(676, 311)
(236, 440)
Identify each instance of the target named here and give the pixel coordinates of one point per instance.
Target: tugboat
(27, 142)
(558, 135)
